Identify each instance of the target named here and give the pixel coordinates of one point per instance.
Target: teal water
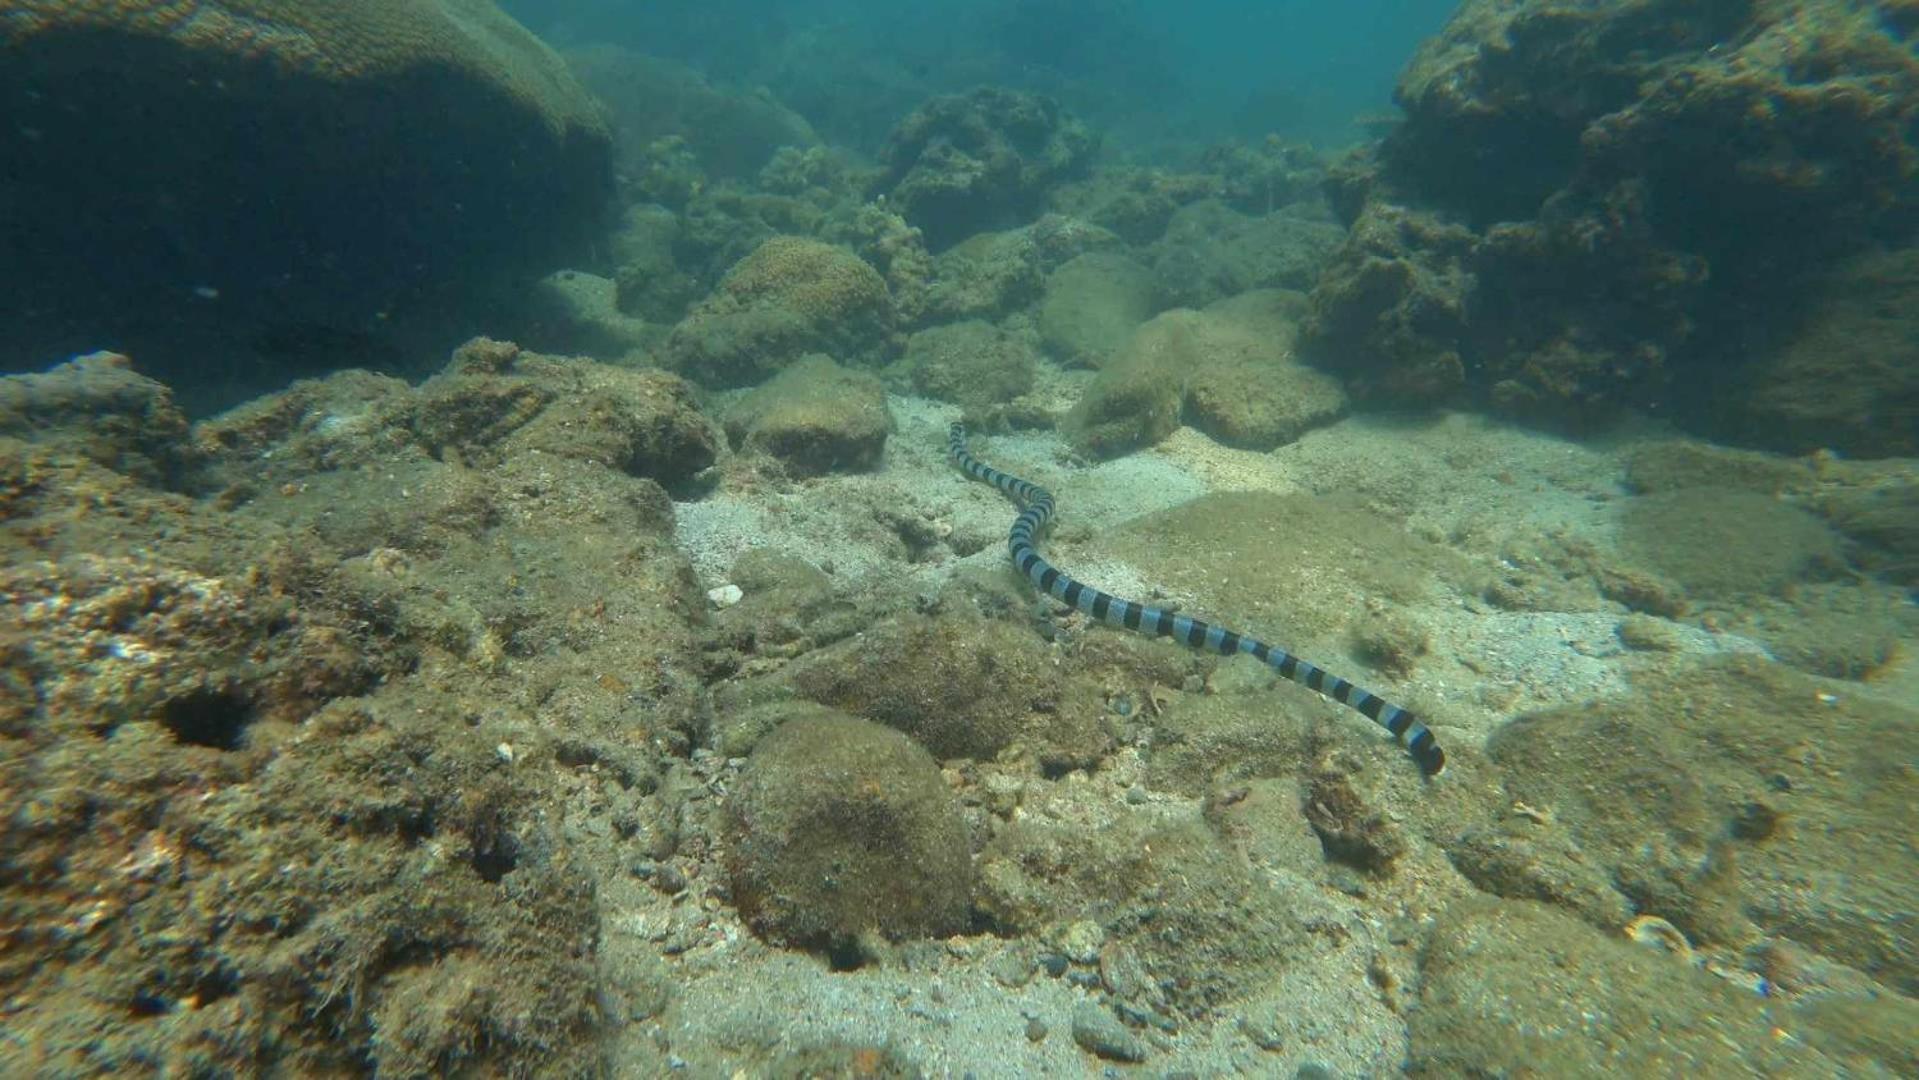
(493, 585)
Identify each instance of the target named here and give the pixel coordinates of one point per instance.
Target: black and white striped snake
(1037, 511)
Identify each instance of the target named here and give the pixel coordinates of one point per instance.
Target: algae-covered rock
(250, 219)
(961, 687)
(1882, 514)
(987, 276)
(99, 407)
(579, 313)
(815, 417)
(1092, 305)
(1136, 399)
(273, 756)
(1228, 371)
(993, 275)
(973, 363)
(1389, 313)
(1583, 199)
(839, 828)
(1510, 987)
(1245, 388)
(1848, 378)
(1212, 251)
(1186, 930)
(345, 41)
(891, 246)
(1872, 504)
(648, 281)
(1262, 177)
(1677, 464)
(787, 607)
(1850, 629)
(1717, 544)
(1698, 800)
(963, 164)
(496, 401)
(730, 134)
(642, 422)
(790, 297)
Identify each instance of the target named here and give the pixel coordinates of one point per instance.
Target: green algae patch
(1721, 543)
(1511, 988)
(1736, 800)
(1298, 567)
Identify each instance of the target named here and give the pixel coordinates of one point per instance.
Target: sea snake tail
(1037, 511)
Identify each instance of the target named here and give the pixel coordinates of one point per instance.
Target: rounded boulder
(840, 828)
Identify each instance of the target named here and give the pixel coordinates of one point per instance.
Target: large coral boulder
(230, 189)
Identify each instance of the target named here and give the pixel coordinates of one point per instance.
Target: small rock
(1012, 968)
(1082, 941)
(725, 596)
(669, 879)
(1100, 1033)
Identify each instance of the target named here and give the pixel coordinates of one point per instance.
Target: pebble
(725, 596)
(1100, 1033)
(1012, 968)
(1082, 941)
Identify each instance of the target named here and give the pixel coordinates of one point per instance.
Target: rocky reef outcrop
(281, 802)
(1630, 205)
(969, 163)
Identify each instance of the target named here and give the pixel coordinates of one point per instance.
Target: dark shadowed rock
(260, 189)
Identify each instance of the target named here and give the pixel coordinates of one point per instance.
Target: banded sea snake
(1037, 511)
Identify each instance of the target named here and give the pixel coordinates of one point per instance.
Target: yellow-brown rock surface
(347, 40)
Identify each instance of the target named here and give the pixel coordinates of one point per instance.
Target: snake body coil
(1037, 510)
